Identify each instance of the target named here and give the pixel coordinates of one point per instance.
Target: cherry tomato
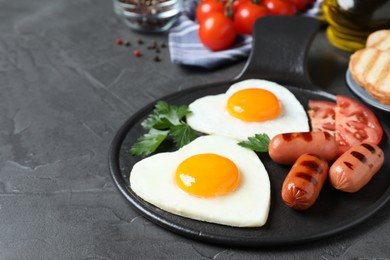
(207, 7)
(217, 32)
(280, 7)
(355, 123)
(246, 16)
(322, 116)
(237, 3)
(300, 4)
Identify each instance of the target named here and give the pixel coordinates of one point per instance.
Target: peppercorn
(157, 58)
(152, 45)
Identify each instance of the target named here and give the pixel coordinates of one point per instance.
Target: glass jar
(148, 15)
(351, 21)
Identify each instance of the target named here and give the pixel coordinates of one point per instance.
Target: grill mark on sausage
(315, 155)
(359, 156)
(369, 147)
(287, 137)
(307, 177)
(349, 165)
(312, 165)
(290, 136)
(327, 136)
(306, 136)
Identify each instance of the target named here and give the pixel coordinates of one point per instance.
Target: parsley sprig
(165, 121)
(258, 143)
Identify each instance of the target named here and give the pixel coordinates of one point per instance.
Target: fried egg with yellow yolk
(211, 179)
(247, 108)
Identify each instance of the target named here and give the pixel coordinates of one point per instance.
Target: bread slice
(370, 68)
(379, 40)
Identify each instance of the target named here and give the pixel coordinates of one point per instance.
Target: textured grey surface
(65, 89)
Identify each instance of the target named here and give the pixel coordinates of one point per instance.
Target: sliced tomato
(355, 123)
(322, 116)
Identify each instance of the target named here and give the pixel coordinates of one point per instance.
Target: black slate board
(333, 212)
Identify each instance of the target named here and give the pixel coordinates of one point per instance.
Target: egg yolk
(207, 175)
(254, 105)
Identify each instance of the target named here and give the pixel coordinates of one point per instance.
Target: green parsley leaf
(182, 134)
(162, 124)
(164, 116)
(183, 111)
(149, 142)
(258, 143)
(165, 120)
(150, 121)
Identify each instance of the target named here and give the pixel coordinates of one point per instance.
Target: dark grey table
(65, 89)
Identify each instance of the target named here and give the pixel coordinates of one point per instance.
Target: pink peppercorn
(137, 53)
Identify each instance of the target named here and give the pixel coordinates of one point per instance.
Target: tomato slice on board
(355, 123)
(322, 116)
(349, 121)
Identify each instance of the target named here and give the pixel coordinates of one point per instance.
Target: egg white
(152, 179)
(209, 113)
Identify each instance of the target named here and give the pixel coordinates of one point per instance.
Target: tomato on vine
(217, 32)
(221, 20)
(280, 7)
(206, 7)
(300, 5)
(246, 15)
(236, 4)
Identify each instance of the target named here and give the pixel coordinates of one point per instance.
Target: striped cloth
(186, 49)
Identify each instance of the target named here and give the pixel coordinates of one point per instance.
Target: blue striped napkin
(186, 49)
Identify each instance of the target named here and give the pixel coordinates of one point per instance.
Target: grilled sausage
(304, 181)
(355, 168)
(286, 148)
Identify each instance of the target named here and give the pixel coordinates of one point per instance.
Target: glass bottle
(351, 21)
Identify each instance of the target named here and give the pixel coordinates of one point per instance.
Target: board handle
(279, 52)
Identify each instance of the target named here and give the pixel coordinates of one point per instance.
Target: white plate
(362, 93)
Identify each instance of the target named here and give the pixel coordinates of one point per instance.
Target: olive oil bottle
(351, 21)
